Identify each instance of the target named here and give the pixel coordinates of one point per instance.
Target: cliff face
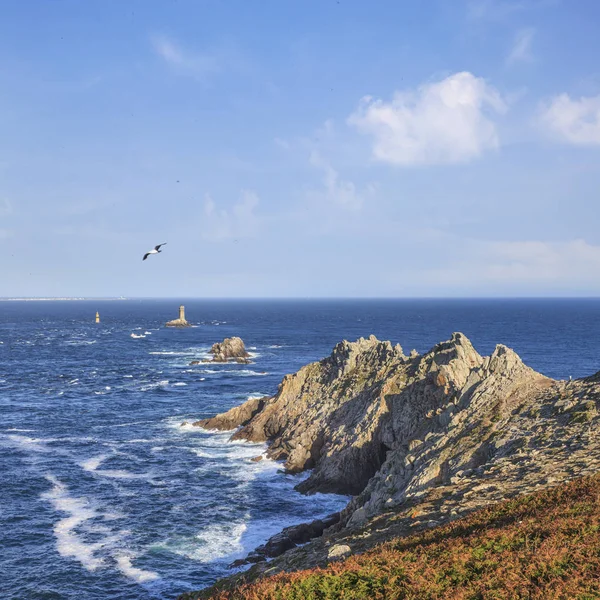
(369, 406)
(419, 440)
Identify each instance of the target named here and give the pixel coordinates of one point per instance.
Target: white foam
(153, 386)
(122, 474)
(128, 376)
(28, 443)
(179, 383)
(202, 453)
(214, 543)
(138, 575)
(91, 464)
(68, 542)
(249, 373)
(22, 430)
(133, 335)
(185, 427)
(147, 333)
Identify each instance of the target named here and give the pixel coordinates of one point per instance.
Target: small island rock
(230, 350)
(180, 322)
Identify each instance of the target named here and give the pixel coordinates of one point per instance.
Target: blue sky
(300, 148)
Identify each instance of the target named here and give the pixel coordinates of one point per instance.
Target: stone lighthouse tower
(181, 322)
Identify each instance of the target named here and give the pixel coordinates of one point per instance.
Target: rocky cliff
(418, 440)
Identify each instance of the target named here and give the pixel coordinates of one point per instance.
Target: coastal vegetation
(544, 545)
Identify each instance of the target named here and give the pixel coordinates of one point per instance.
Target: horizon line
(287, 298)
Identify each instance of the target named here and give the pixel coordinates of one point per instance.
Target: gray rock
(436, 435)
(229, 349)
(339, 551)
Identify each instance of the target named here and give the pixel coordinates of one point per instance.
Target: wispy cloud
(201, 66)
(525, 265)
(441, 123)
(338, 191)
(5, 207)
(281, 143)
(573, 121)
(522, 48)
(240, 221)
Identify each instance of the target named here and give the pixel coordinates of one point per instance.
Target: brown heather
(544, 545)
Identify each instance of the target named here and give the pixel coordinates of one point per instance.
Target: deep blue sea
(104, 495)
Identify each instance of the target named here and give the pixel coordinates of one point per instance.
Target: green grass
(540, 546)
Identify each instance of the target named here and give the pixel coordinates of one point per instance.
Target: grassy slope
(544, 545)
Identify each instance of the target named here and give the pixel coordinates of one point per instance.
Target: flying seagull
(155, 251)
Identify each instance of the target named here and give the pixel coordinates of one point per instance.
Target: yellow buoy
(97, 317)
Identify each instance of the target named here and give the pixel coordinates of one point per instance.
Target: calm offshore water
(104, 495)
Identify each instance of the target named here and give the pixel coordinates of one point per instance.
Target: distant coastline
(55, 299)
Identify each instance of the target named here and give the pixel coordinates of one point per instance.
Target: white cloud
(336, 190)
(573, 121)
(238, 222)
(441, 123)
(200, 66)
(521, 50)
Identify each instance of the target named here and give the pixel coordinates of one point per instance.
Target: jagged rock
(418, 440)
(257, 458)
(230, 349)
(239, 415)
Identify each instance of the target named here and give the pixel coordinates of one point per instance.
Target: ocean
(103, 495)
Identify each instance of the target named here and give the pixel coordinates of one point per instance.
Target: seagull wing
(146, 255)
(157, 247)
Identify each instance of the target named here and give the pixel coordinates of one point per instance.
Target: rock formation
(180, 322)
(229, 350)
(417, 440)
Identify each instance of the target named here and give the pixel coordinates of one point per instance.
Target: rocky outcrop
(229, 350)
(418, 440)
(177, 323)
(238, 415)
(180, 322)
